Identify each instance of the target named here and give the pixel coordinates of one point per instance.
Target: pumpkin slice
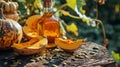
(39, 44)
(25, 44)
(33, 48)
(29, 33)
(32, 22)
(68, 45)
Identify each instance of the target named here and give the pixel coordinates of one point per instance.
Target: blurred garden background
(108, 11)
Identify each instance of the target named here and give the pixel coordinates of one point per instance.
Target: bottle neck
(47, 9)
(47, 6)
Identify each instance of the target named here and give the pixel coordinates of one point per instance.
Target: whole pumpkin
(10, 32)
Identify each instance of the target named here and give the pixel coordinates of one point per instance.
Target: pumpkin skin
(13, 16)
(10, 9)
(1, 2)
(10, 32)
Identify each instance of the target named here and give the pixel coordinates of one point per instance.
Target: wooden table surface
(88, 55)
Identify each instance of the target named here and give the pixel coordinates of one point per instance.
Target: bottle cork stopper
(47, 3)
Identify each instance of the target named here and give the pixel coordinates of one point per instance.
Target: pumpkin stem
(7, 0)
(1, 14)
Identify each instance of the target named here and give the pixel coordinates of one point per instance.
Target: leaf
(72, 28)
(37, 3)
(82, 10)
(80, 4)
(116, 56)
(117, 8)
(71, 3)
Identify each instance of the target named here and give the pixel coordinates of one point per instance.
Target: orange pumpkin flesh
(29, 33)
(31, 47)
(25, 44)
(68, 45)
(32, 22)
(38, 44)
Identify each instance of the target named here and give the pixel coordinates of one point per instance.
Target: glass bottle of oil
(50, 26)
